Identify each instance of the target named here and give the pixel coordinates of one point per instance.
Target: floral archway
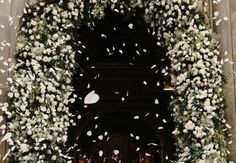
(37, 112)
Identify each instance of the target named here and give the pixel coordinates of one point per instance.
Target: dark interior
(121, 61)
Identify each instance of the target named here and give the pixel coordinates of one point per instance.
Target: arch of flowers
(37, 111)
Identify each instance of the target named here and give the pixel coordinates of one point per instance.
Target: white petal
(100, 153)
(7, 136)
(131, 26)
(91, 98)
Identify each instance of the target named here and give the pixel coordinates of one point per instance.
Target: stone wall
(227, 32)
(12, 9)
(10, 12)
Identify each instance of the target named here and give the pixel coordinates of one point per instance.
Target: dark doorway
(121, 61)
(119, 137)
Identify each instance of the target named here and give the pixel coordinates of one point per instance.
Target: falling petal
(218, 22)
(216, 13)
(79, 116)
(153, 144)
(148, 154)
(116, 152)
(146, 114)
(116, 10)
(156, 101)
(226, 60)
(103, 36)
(122, 99)
(6, 137)
(225, 18)
(100, 137)
(127, 93)
(160, 128)
(228, 126)
(100, 153)
(121, 51)
(164, 121)
(91, 98)
(130, 26)
(6, 155)
(105, 133)
(89, 133)
(2, 71)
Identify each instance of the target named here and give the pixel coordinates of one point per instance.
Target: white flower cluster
(38, 116)
(198, 109)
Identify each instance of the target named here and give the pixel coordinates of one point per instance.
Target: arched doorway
(118, 137)
(127, 68)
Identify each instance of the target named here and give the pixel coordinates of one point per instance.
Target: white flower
(208, 107)
(54, 12)
(54, 158)
(189, 125)
(198, 132)
(71, 5)
(55, 36)
(43, 109)
(64, 14)
(10, 95)
(24, 148)
(33, 22)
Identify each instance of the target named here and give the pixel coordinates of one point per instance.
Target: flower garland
(37, 112)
